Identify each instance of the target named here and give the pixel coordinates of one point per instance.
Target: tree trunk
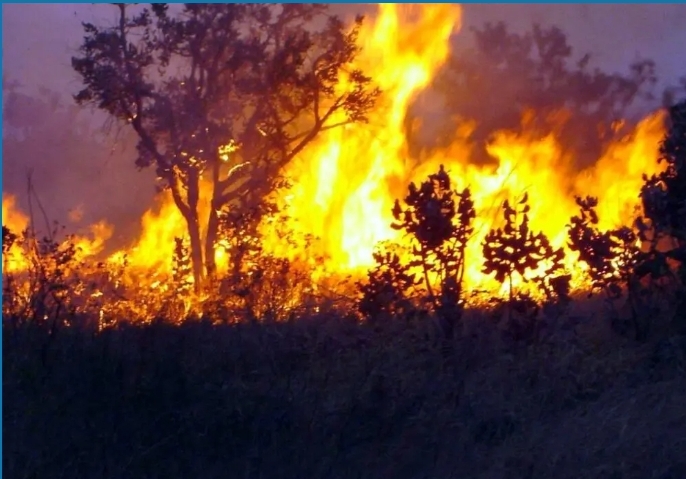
(194, 229)
(210, 243)
(196, 250)
(213, 222)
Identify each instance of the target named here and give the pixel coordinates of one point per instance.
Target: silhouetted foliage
(612, 258)
(438, 222)
(229, 93)
(663, 227)
(50, 290)
(600, 251)
(241, 238)
(387, 291)
(664, 194)
(8, 239)
(516, 251)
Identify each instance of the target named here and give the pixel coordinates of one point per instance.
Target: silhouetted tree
(664, 194)
(438, 223)
(663, 226)
(228, 93)
(506, 73)
(598, 250)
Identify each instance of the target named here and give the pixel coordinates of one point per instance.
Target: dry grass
(329, 398)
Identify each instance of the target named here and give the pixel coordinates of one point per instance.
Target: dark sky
(39, 40)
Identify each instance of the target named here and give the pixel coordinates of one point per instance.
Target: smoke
(614, 34)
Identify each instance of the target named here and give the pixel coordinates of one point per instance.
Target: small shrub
(385, 294)
(611, 257)
(438, 222)
(516, 251)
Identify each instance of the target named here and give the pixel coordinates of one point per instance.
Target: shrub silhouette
(611, 257)
(664, 194)
(438, 222)
(386, 292)
(51, 290)
(514, 250)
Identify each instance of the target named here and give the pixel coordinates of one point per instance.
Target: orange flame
(16, 259)
(17, 222)
(345, 182)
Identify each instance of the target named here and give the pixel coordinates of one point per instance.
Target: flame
(344, 184)
(153, 250)
(17, 222)
(341, 183)
(17, 258)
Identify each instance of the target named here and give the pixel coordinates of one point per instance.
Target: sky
(39, 40)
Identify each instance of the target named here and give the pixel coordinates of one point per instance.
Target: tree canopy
(223, 93)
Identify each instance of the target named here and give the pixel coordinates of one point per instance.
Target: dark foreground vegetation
(408, 383)
(331, 398)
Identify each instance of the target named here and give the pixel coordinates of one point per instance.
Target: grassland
(327, 397)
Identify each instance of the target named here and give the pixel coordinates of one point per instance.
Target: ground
(330, 398)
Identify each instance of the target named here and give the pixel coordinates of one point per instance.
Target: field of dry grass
(330, 398)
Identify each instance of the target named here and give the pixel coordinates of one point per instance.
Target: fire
(16, 221)
(153, 250)
(17, 259)
(344, 184)
(341, 187)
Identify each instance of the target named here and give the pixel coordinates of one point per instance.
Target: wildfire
(16, 260)
(344, 184)
(16, 221)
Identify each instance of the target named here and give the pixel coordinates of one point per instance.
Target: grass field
(331, 398)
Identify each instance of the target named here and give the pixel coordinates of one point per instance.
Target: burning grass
(384, 312)
(282, 376)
